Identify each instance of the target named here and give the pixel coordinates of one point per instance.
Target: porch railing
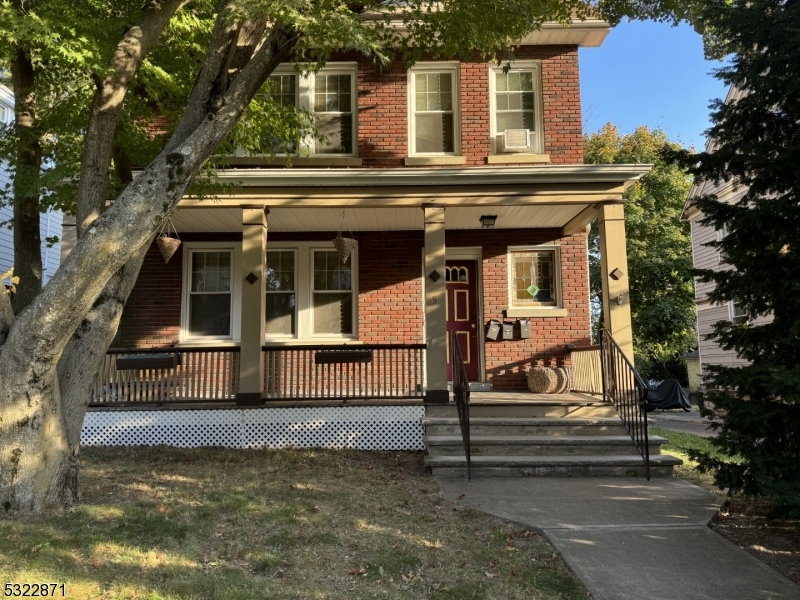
(313, 372)
(461, 395)
(198, 375)
(623, 386)
(587, 370)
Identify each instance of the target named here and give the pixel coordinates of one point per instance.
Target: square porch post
(435, 305)
(254, 298)
(614, 276)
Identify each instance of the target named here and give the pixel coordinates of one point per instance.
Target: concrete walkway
(627, 539)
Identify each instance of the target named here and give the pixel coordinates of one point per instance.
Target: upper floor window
(516, 109)
(330, 98)
(433, 109)
(738, 314)
(721, 235)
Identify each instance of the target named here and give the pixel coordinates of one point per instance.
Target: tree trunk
(84, 355)
(27, 238)
(34, 460)
(34, 454)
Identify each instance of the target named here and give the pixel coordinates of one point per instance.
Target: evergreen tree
(757, 145)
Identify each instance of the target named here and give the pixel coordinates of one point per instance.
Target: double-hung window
(211, 292)
(516, 109)
(311, 293)
(433, 110)
(738, 314)
(330, 98)
(534, 277)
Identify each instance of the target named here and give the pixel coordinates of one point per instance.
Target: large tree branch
(107, 106)
(131, 220)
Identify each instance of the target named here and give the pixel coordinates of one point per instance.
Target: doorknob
(473, 325)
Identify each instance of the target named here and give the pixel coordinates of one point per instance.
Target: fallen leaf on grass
(357, 572)
(491, 575)
(462, 496)
(408, 578)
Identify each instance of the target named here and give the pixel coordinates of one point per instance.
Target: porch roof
(551, 196)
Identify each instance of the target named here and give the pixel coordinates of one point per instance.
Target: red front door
(461, 282)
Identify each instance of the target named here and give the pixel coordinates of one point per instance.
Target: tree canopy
(659, 249)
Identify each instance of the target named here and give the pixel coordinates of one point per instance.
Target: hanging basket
(166, 244)
(344, 247)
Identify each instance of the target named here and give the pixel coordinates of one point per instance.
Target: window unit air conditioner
(515, 140)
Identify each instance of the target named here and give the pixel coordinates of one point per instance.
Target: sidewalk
(627, 539)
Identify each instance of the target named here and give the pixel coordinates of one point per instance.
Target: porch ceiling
(227, 219)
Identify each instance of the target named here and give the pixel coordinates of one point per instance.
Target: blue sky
(648, 73)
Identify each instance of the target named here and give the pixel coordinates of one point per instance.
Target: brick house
(465, 191)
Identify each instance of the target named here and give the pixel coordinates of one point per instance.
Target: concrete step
(526, 426)
(538, 445)
(539, 409)
(553, 466)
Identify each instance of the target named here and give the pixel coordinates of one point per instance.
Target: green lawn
(679, 446)
(166, 523)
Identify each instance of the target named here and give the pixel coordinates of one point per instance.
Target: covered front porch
(413, 228)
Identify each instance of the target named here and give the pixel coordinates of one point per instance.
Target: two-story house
(463, 187)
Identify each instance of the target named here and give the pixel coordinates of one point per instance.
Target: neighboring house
(466, 194)
(50, 221)
(706, 257)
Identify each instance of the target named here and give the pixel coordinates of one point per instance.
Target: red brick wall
(390, 295)
(383, 108)
(506, 360)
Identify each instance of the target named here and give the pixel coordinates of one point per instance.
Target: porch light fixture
(616, 274)
(488, 221)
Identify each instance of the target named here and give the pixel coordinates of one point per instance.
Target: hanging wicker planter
(344, 245)
(166, 244)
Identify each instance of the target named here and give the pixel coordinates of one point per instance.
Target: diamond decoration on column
(434, 276)
(251, 278)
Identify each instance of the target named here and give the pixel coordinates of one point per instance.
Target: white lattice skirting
(357, 427)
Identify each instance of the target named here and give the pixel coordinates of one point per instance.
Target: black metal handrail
(461, 395)
(626, 389)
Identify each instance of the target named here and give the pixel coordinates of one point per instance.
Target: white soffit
(375, 219)
(588, 33)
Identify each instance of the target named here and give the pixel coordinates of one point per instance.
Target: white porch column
(254, 248)
(435, 305)
(614, 276)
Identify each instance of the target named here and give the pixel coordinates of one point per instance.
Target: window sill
(208, 343)
(424, 161)
(314, 342)
(511, 159)
(296, 161)
(536, 312)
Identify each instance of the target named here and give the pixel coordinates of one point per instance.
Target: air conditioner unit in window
(516, 139)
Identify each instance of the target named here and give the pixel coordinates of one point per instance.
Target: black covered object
(669, 394)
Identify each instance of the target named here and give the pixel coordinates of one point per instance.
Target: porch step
(525, 426)
(539, 409)
(538, 445)
(559, 438)
(591, 465)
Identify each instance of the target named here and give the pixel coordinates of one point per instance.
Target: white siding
(710, 352)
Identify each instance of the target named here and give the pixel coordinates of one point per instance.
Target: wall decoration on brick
(354, 427)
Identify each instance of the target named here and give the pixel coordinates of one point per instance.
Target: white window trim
(236, 290)
(304, 96)
(732, 316)
(304, 287)
(559, 305)
(537, 145)
(452, 67)
(722, 233)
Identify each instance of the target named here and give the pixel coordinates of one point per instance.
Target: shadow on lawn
(213, 523)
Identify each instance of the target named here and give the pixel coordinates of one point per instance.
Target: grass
(679, 446)
(166, 523)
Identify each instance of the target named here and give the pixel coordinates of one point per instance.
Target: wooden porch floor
(529, 397)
